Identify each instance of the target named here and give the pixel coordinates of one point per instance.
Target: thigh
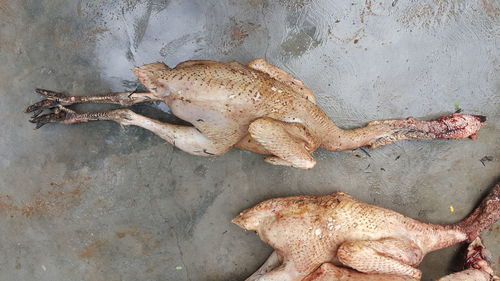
(275, 138)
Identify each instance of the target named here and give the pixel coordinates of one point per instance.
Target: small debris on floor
(366, 152)
(486, 159)
(355, 153)
(452, 209)
(178, 268)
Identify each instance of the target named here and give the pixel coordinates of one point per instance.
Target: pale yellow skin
(310, 231)
(256, 107)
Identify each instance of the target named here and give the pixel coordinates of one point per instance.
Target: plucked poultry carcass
(256, 107)
(309, 231)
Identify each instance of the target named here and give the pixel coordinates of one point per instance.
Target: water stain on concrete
(299, 42)
(173, 46)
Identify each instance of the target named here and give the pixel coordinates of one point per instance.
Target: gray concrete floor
(100, 202)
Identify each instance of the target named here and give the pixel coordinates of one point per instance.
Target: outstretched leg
(388, 256)
(186, 138)
(52, 99)
(274, 137)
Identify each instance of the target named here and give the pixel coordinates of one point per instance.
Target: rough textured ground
(100, 202)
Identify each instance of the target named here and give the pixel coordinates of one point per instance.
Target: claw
(36, 113)
(49, 93)
(48, 118)
(41, 105)
(60, 114)
(481, 118)
(52, 100)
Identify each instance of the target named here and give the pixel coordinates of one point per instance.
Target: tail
(486, 214)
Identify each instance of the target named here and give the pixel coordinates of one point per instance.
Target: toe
(44, 104)
(49, 93)
(58, 116)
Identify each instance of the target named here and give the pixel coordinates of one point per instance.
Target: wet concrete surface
(99, 202)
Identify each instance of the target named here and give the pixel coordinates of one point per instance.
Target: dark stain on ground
(189, 219)
(89, 250)
(240, 31)
(200, 171)
(57, 199)
(144, 238)
(140, 26)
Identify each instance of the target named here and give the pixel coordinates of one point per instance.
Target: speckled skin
(308, 231)
(330, 272)
(477, 270)
(256, 107)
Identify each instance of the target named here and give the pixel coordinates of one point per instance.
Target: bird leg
(186, 138)
(274, 137)
(52, 99)
(388, 256)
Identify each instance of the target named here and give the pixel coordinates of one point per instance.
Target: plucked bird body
(255, 107)
(309, 231)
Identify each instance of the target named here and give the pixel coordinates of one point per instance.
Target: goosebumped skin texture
(479, 270)
(308, 231)
(330, 272)
(256, 107)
